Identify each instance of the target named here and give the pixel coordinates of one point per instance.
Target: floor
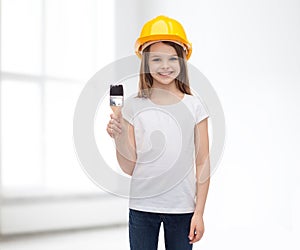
(117, 239)
(92, 239)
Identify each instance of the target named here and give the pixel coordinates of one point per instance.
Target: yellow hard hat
(162, 28)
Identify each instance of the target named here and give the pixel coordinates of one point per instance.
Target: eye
(155, 59)
(174, 58)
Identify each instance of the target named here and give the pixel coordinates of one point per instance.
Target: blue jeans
(144, 230)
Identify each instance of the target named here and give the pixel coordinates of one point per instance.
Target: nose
(165, 64)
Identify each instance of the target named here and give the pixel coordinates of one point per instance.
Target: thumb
(118, 113)
(192, 232)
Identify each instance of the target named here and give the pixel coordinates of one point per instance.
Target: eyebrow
(158, 55)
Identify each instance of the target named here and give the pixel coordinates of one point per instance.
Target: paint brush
(116, 98)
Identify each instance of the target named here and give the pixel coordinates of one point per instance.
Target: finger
(197, 237)
(115, 117)
(117, 120)
(115, 123)
(116, 129)
(194, 239)
(192, 232)
(109, 132)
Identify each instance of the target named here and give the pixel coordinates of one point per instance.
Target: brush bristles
(116, 90)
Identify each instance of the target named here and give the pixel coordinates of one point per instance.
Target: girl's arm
(123, 133)
(202, 179)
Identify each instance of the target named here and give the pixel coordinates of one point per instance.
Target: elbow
(128, 172)
(127, 165)
(128, 168)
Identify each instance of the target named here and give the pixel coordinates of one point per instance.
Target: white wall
(249, 50)
(127, 26)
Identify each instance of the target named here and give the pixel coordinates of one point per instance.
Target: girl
(163, 49)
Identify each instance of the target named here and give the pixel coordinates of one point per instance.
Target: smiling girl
(164, 86)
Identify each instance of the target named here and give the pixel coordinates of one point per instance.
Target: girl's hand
(196, 228)
(114, 127)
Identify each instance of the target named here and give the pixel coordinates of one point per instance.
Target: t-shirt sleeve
(127, 111)
(201, 111)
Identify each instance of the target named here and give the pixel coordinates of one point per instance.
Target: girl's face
(163, 63)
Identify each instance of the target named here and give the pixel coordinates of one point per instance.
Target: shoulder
(197, 106)
(193, 100)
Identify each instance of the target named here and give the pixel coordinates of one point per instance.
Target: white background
(250, 52)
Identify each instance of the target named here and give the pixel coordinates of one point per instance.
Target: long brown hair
(146, 80)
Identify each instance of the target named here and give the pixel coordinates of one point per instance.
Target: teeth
(165, 73)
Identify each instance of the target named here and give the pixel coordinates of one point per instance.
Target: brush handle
(116, 109)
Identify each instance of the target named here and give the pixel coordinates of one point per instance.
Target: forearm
(123, 133)
(202, 187)
(126, 154)
(201, 196)
(197, 222)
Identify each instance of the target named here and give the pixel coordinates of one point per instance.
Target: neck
(158, 88)
(166, 95)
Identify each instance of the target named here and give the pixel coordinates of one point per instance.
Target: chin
(165, 81)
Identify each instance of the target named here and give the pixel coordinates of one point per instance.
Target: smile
(168, 73)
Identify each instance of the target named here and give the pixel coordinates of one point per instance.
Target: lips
(165, 73)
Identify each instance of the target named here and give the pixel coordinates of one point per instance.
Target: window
(49, 49)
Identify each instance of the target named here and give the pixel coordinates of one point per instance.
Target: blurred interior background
(49, 49)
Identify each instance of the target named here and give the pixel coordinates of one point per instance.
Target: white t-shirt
(164, 179)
